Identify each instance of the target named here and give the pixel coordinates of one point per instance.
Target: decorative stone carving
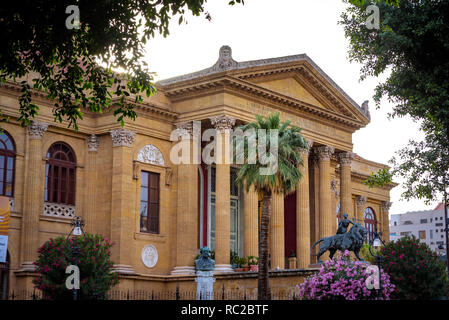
(225, 61)
(360, 200)
(346, 158)
(334, 189)
(222, 123)
(59, 210)
(122, 137)
(168, 176)
(365, 109)
(386, 206)
(324, 152)
(37, 129)
(11, 204)
(136, 170)
(93, 142)
(149, 256)
(306, 151)
(151, 154)
(185, 128)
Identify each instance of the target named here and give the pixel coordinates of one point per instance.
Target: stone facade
(110, 160)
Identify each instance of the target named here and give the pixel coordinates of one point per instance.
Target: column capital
(37, 129)
(346, 158)
(222, 122)
(306, 151)
(386, 206)
(360, 201)
(185, 128)
(93, 142)
(122, 137)
(324, 152)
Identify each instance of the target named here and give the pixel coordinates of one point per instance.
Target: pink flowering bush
(343, 279)
(93, 260)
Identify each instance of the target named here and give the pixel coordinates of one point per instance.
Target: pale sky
(266, 29)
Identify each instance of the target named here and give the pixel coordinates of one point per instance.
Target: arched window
(60, 175)
(370, 224)
(7, 164)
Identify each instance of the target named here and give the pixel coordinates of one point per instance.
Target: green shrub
(365, 254)
(93, 260)
(415, 270)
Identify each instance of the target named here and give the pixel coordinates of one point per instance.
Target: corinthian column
(93, 143)
(277, 233)
(34, 196)
(251, 222)
(303, 212)
(223, 124)
(326, 217)
(187, 210)
(345, 184)
(360, 203)
(122, 212)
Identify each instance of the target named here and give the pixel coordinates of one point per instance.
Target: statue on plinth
(351, 240)
(204, 262)
(204, 266)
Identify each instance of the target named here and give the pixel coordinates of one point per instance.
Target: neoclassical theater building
(122, 182)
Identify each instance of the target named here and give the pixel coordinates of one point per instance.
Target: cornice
(222, 83)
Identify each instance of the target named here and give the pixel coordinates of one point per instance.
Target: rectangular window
(423, 220)
(149, 202)
(422, 235)
(431, 234)
(438, 224)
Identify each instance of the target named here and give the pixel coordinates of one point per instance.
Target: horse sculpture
(351, 240)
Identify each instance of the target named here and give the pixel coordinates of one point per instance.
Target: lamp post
(77, 225)
(376, 243)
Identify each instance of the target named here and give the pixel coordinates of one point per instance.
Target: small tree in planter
(416, 271)
(93, 260)
(343, 279)
(253, 263)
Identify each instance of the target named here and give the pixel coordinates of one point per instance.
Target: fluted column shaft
(187, 207)
(277, 233)
(303, 214)
(34, 196)
(223, 124)
(385, 220)
(251, 223)
(122, 207)
(345, 184)
(326, 216)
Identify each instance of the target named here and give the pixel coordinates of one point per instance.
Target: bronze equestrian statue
(351, 240)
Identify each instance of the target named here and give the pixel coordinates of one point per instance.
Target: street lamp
(376, 243)
(77, 225)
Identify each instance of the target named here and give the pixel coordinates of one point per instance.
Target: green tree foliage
(78, 69)
(283, 181)
(415, 270)
(93, 260)
(412, 44)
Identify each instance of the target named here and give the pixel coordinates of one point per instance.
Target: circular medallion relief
(149, 256)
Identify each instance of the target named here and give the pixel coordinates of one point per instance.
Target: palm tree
(283, 181)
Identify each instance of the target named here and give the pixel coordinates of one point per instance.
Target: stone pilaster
(303, 212)
(187, 210)
(360, 202)
(34, 197)
(326, 216)
(123, 215)
(345, 184)
(93, 142)
(251, 223)
(277, 233)
(223, 124)
(385, 207)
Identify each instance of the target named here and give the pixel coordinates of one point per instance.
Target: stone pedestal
(292, 263)
(205, 285)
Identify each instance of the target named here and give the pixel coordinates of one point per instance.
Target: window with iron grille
(60, 174)
(7, 164)
(149, 202)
